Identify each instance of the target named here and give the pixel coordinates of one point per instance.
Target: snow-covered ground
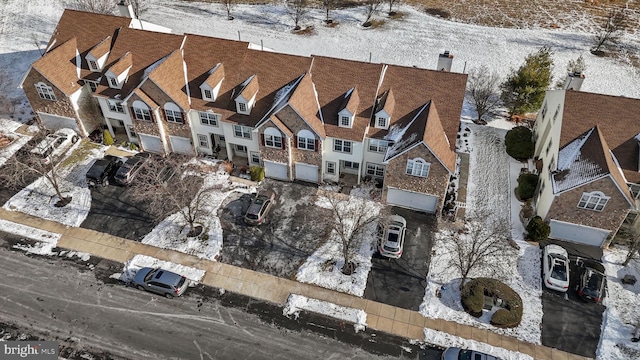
(138, 262)
(295, 303)
(416, 39)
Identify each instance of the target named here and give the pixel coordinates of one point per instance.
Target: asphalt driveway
(401, 282)
(113, 212)
(568, 323)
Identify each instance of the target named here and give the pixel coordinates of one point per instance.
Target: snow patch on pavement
(296, 303)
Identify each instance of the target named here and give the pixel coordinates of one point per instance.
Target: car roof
(167, 277)
(553, 249)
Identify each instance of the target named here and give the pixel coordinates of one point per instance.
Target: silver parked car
(55, 145)
(161, 282)
(259, 207)
(391, 243)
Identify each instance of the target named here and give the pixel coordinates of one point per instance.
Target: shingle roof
(333, 78)
(146, 48)
(351, 101)
(250, 87)
(303, 100)
(144, 97)
(215, 75)
(170, 77)
(419, 86)
(101, 48)
(586, 159)
(618, 118)
(122, 64)
(59, 67)
(387, 102)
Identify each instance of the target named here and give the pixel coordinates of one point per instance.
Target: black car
(102, 169)
(127, 171)
(592, 284)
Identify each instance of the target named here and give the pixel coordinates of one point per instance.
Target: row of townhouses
(321, 119)
(312, 118)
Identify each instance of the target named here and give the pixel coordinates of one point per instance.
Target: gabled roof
(122, 64)
(425, 128)
(249, 88)
(145, 98)
(585, 159)
(273, 71)
(333, 78)
(101, 48)
(386, 102)
(215, 75)
(170, 77)
(146, 48)
(303, 99)
(59, 67)
(202, 53)
(351, 101)
(618, 118)
(413, 87)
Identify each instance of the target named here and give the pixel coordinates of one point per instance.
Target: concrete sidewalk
(381, 317)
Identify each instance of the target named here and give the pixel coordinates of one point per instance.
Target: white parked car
(55, 145)
(391, 242)
(555, 263)
(454, 353)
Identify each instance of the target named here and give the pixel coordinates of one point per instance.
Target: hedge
(527, 183)
(519, 143)
(538, 229)
(472, 298)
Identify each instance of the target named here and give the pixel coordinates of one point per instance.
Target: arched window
(172, 113)
(272, 138)
(141, 111)
(594, 200)
(418, 167)
(45, 91)
(306, 140)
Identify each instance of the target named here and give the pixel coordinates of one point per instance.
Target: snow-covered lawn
(489, 185)
(295, 303)
(323, 267)
(45, 240)
(621, 316)
(8, 128)
(138, 262)
(171, 233)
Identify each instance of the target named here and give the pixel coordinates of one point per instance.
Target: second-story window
(342, 145)
(242, 131)
(418, 167)
(116, 106)
(142, 114)
(208, 118)
(306, 140)
(379, 146)
(45, 91)
(272, 138)
(173, 116)
(595, 200)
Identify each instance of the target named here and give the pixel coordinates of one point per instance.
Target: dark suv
(127, 171)
(102, 169)
(161, 282)
(592, 284)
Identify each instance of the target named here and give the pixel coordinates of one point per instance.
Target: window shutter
(315, 148)
(152, 115)
(284, 143)
(262, 139)
(132, 113)
(295, 140)
(184, 117)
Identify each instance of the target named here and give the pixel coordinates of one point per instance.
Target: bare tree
(229, 5)
(483, 91)
(175, 184)
(391, 3)
(479, 247)
(328, 5)
(36, 42)
(351, 218)
(371, 8)
(96, 6)
(611, 29)
(24, 168)
(297, 10)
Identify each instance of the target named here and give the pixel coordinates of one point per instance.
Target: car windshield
(464, 355)
(595, 281)
(181, 282)
(150, 275)
(559, 271)
(259, 200)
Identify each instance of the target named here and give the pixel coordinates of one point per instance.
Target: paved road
(401, 282)
(80, 307)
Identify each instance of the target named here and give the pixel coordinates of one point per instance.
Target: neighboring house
(586, 146)
(312, 119)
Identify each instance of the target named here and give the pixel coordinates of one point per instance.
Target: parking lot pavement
(292, 232)
(401, 282)
(113, 212)
(568, 323)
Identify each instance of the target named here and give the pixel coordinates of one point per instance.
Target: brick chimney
(126, 9)
(444, 61)
(574, 81)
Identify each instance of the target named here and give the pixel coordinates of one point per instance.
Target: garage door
(412, 200)
(580, 234)
(275, 170)
(151, 143)
(307, 172)
(181, 145)
(55, 122)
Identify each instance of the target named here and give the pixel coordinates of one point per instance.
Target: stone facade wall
(161, 98)
(62, 106)
(435, 183)
(565, 207)
(142, 126)
(273, 154)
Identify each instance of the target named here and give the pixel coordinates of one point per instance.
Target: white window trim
(376, 145)
(132, 131)
(342, 119)
(595, 201)
(242, 107)
(209, 118)
(91, 63)
(257, 157)
(203, 141)
(373, 168)
(111, 80)
(243, 130)
(273, 141)
(418, 167)
(172, 117)
(45, 91)
(331, 167)
(348, 164)
(140, 114)
(339, 143)
(385, 125)
(204, 94)
(115, 106)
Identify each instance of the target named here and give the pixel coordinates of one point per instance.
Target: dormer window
(242, 107)
(93, 65)
(345, 121)
(45, 91)
(207, 94)
(273, 138)
(113, 82)
(382, 122)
